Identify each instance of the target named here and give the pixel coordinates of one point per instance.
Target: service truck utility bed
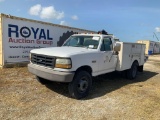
(128, 53)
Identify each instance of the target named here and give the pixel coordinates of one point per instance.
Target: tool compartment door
(124, 57)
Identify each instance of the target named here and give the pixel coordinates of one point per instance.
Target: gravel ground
(111, 97)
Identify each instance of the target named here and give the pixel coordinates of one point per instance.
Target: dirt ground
(111, 97)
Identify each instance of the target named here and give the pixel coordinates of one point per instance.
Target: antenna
(156, 36)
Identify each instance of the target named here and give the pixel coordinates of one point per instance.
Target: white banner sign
(19, 37)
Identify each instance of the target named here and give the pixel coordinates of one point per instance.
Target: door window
(107, 44)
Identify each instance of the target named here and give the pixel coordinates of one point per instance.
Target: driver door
(108, 59)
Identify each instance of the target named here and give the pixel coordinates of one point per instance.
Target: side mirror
(117, 47)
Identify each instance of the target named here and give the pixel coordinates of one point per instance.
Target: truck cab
(97, 52)
(82, 57)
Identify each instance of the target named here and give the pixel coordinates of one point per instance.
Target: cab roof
(90, 34)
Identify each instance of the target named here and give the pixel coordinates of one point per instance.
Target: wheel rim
(83, 84)
(134, 72)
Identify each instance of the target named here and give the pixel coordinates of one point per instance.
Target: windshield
(83, 41)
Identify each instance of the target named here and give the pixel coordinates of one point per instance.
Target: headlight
(63, 63)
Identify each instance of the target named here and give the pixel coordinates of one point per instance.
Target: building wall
(1, 49)
(147, 43)
(151, 46)
(154, 46)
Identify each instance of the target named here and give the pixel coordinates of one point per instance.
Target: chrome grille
(43, 60)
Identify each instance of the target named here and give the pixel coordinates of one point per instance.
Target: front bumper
(50, 74)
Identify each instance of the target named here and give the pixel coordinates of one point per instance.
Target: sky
(128, 20)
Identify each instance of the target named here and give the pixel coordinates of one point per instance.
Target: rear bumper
(50, 74)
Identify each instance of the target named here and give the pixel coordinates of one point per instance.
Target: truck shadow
(103, 84)
(112, 81)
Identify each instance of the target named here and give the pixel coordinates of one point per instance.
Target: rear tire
(81, 85)
(132, 72)
(140, 68)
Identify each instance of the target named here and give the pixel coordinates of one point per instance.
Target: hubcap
(83, 85)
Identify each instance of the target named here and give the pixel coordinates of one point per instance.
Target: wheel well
(85, 68)
(135, 61)
(140, 68)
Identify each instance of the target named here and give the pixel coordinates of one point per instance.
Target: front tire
(132, 72)
(81, 84)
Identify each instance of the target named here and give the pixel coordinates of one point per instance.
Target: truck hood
(62, 51)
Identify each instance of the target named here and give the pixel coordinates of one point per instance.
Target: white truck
(84, 56)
